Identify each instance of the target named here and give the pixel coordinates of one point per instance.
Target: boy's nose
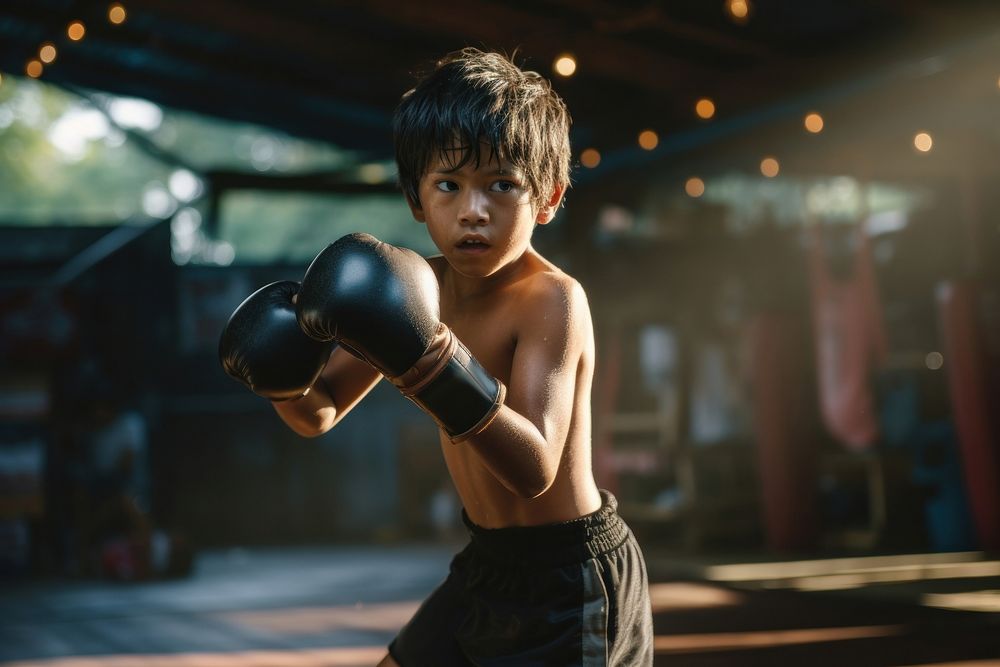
(475, 208)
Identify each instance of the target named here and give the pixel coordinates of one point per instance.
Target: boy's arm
(263, 347)
(344, 381)
(523, 444)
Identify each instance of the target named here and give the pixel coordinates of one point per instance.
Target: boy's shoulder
(550, 312)
(552, 283)
(551, 302)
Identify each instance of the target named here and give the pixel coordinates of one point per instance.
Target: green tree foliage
(64, 159)
(42, 184)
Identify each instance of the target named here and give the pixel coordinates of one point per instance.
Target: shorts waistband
(577, 540)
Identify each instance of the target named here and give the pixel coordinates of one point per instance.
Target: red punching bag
(786, 451)
(849, 334)
(967, 363)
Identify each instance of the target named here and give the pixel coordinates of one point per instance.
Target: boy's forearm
(516, 452)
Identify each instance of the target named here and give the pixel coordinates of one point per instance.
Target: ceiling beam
(541, 37)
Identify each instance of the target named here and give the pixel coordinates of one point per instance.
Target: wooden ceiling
(333, 70)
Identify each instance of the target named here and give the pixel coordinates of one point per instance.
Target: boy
(495, 343)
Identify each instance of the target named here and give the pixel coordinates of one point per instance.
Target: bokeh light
(648, 139)
(47, 53)
(934, 360)
(157, 202)
(74, 131)
(705, 108)
(565, 65)
(694, 187)
(923, 142)
(769, 167)
(590, 158)
(131, 112)
(738, 10)
(33, 68)
(76, 31)
(813, 122)
(116, 14)
(373, 172)
(184, 185)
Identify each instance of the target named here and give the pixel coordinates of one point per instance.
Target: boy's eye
(503, 186)
(447, 186)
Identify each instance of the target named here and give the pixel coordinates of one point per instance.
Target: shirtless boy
(496, 344)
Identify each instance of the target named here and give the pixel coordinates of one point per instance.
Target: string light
(705, 108)
(116, 14)
(648, 139)
(694, 187)
(590, 158)
(47, 53)
(769, 167)
(76, 30)
(33, 68)
(738, 10)
(813, 122)
(565, 65)
(923, 142)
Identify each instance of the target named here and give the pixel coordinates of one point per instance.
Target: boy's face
(480, 218)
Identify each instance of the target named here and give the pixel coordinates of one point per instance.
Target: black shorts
(564, 594)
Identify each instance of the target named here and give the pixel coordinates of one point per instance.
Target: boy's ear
(416, 210)
(548, 210)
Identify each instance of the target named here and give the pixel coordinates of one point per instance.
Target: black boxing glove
(383, 303)
(263, 347)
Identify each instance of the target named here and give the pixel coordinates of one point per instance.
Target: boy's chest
(490, 333)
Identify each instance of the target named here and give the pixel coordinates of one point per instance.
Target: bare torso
(490, 325)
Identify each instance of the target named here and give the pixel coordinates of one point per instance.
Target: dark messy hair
(483, 102)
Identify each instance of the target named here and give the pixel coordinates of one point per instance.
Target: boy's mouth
(472, 244)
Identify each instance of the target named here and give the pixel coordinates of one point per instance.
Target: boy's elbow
(535, 484)
(312, 429)
(530, 493)
(305, 431)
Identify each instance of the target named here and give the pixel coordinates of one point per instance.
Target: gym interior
(782, 213)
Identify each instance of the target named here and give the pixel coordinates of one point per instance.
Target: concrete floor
(340, 606)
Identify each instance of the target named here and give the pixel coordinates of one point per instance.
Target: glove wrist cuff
(487, 418)
(430, 365)
(449, 384)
